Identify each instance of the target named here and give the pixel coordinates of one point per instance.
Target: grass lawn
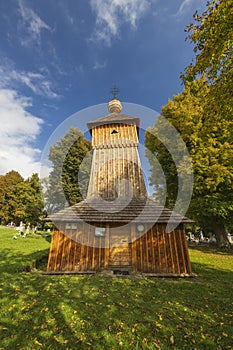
(74, 312)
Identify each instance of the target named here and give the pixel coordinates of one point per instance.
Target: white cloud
(110, 14)
(184, 7)
(19, 129)
(31, 25)
(37, 82)
(99, 65)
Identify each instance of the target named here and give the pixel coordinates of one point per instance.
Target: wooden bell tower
(117, 227)
(116, 169)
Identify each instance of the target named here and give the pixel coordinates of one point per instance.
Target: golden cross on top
(114, 91)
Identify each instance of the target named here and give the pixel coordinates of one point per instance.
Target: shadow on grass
(210, 249)
(47, 237)
(13, 263)
(210, 275)
(68, 312)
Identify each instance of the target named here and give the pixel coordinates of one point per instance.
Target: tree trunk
(220, 233)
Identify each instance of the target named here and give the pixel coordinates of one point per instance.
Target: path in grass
(69, 312)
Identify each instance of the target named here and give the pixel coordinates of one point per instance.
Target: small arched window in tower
(114, 132)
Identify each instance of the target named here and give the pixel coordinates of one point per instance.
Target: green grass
(71, 312)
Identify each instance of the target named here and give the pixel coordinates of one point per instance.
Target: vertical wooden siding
(72, 251)
(160, 252)
(116, 158)
(154, 252)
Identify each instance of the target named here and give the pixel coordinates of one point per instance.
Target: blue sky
(59, 57)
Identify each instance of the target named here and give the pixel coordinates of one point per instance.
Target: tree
(210, 146)
(21, 199)
(34, 203)
(8, 198)
(212, 35)
(69, 178)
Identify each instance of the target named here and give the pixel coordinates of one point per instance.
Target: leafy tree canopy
(20, 200)
(212, 35)
(202, 114)
(209, 141)
(69, 177)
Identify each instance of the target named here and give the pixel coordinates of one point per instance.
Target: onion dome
(114, 106)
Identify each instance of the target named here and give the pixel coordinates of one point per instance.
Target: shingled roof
(125, 210)
(113, 118)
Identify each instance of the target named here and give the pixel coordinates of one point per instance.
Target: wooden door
(120, 248)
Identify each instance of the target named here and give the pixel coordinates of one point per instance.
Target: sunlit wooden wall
(155, 251)
(116, 169)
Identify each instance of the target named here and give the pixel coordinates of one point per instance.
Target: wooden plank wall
(72, 250)
(160, 252)
(154, 252)
(115, 158)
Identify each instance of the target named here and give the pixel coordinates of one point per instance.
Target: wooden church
(117, 227)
